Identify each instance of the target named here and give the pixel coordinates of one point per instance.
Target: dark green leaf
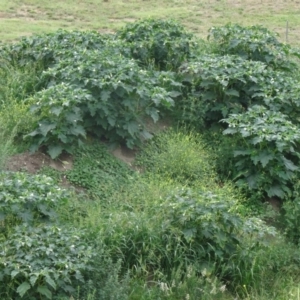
(50, 281)
(45, 127)
(289, 164)
(23, 288)
(42, 289)
(276, 191)
(54, 151)
(78, 130)
(232, 92)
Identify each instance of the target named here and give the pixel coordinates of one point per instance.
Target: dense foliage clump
(162, 42)
(186, 219)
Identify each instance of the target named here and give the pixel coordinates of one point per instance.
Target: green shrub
(212, 234)
(268, 159)
(215, 86)
(220, 85)
(60, 119)
(254, 43)
(27, 198)
(43, 262)
(113, 97)
(48, 49)
(163, 42)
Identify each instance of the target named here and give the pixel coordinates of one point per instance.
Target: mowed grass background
(26, 17)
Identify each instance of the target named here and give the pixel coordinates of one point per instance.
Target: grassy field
(21, 18)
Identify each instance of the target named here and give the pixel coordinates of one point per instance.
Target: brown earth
(32, 163)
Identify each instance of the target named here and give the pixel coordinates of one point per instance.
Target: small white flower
(223, 288)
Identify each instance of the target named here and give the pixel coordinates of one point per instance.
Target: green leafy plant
(268, 159)
(96, 170)
(115, 97)
(163, 42)
(28, 199)
(254, 43)
(43, 262)
(216, 86)
(48, 49)
(215, 239)
(60, 120)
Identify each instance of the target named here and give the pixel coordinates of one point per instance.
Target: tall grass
(7, 147)
(16, 84)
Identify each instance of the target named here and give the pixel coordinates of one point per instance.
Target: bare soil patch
(32, 163)
(125, 154)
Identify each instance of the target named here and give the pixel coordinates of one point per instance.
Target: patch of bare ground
(32, 163)
(106, 31)
(4, 15)
(128, 20)
(125, 154)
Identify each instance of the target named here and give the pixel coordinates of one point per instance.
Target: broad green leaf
(146, 135)
(289, 164)
(26, 216)
(244, 132)
(120, 91)
(209, 95)
(252, 180)
(230, 130)
(33, 133)
(56, 110)
(256, 140)
(232, 92)
(174, 94)
(45, 127)
(264, 158)
(34, 107)
(78, 130)
(72, 117)
(33, 279)
(111, 121)
(133, 128)
(33, 148)
(154, 114)
(14, 273)
(105, 95)
(276, 191)
(241, 152)
(23, 288)
(54, 151)
(51, 282)
(42, 289)
(189, 233)
(63, 137)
